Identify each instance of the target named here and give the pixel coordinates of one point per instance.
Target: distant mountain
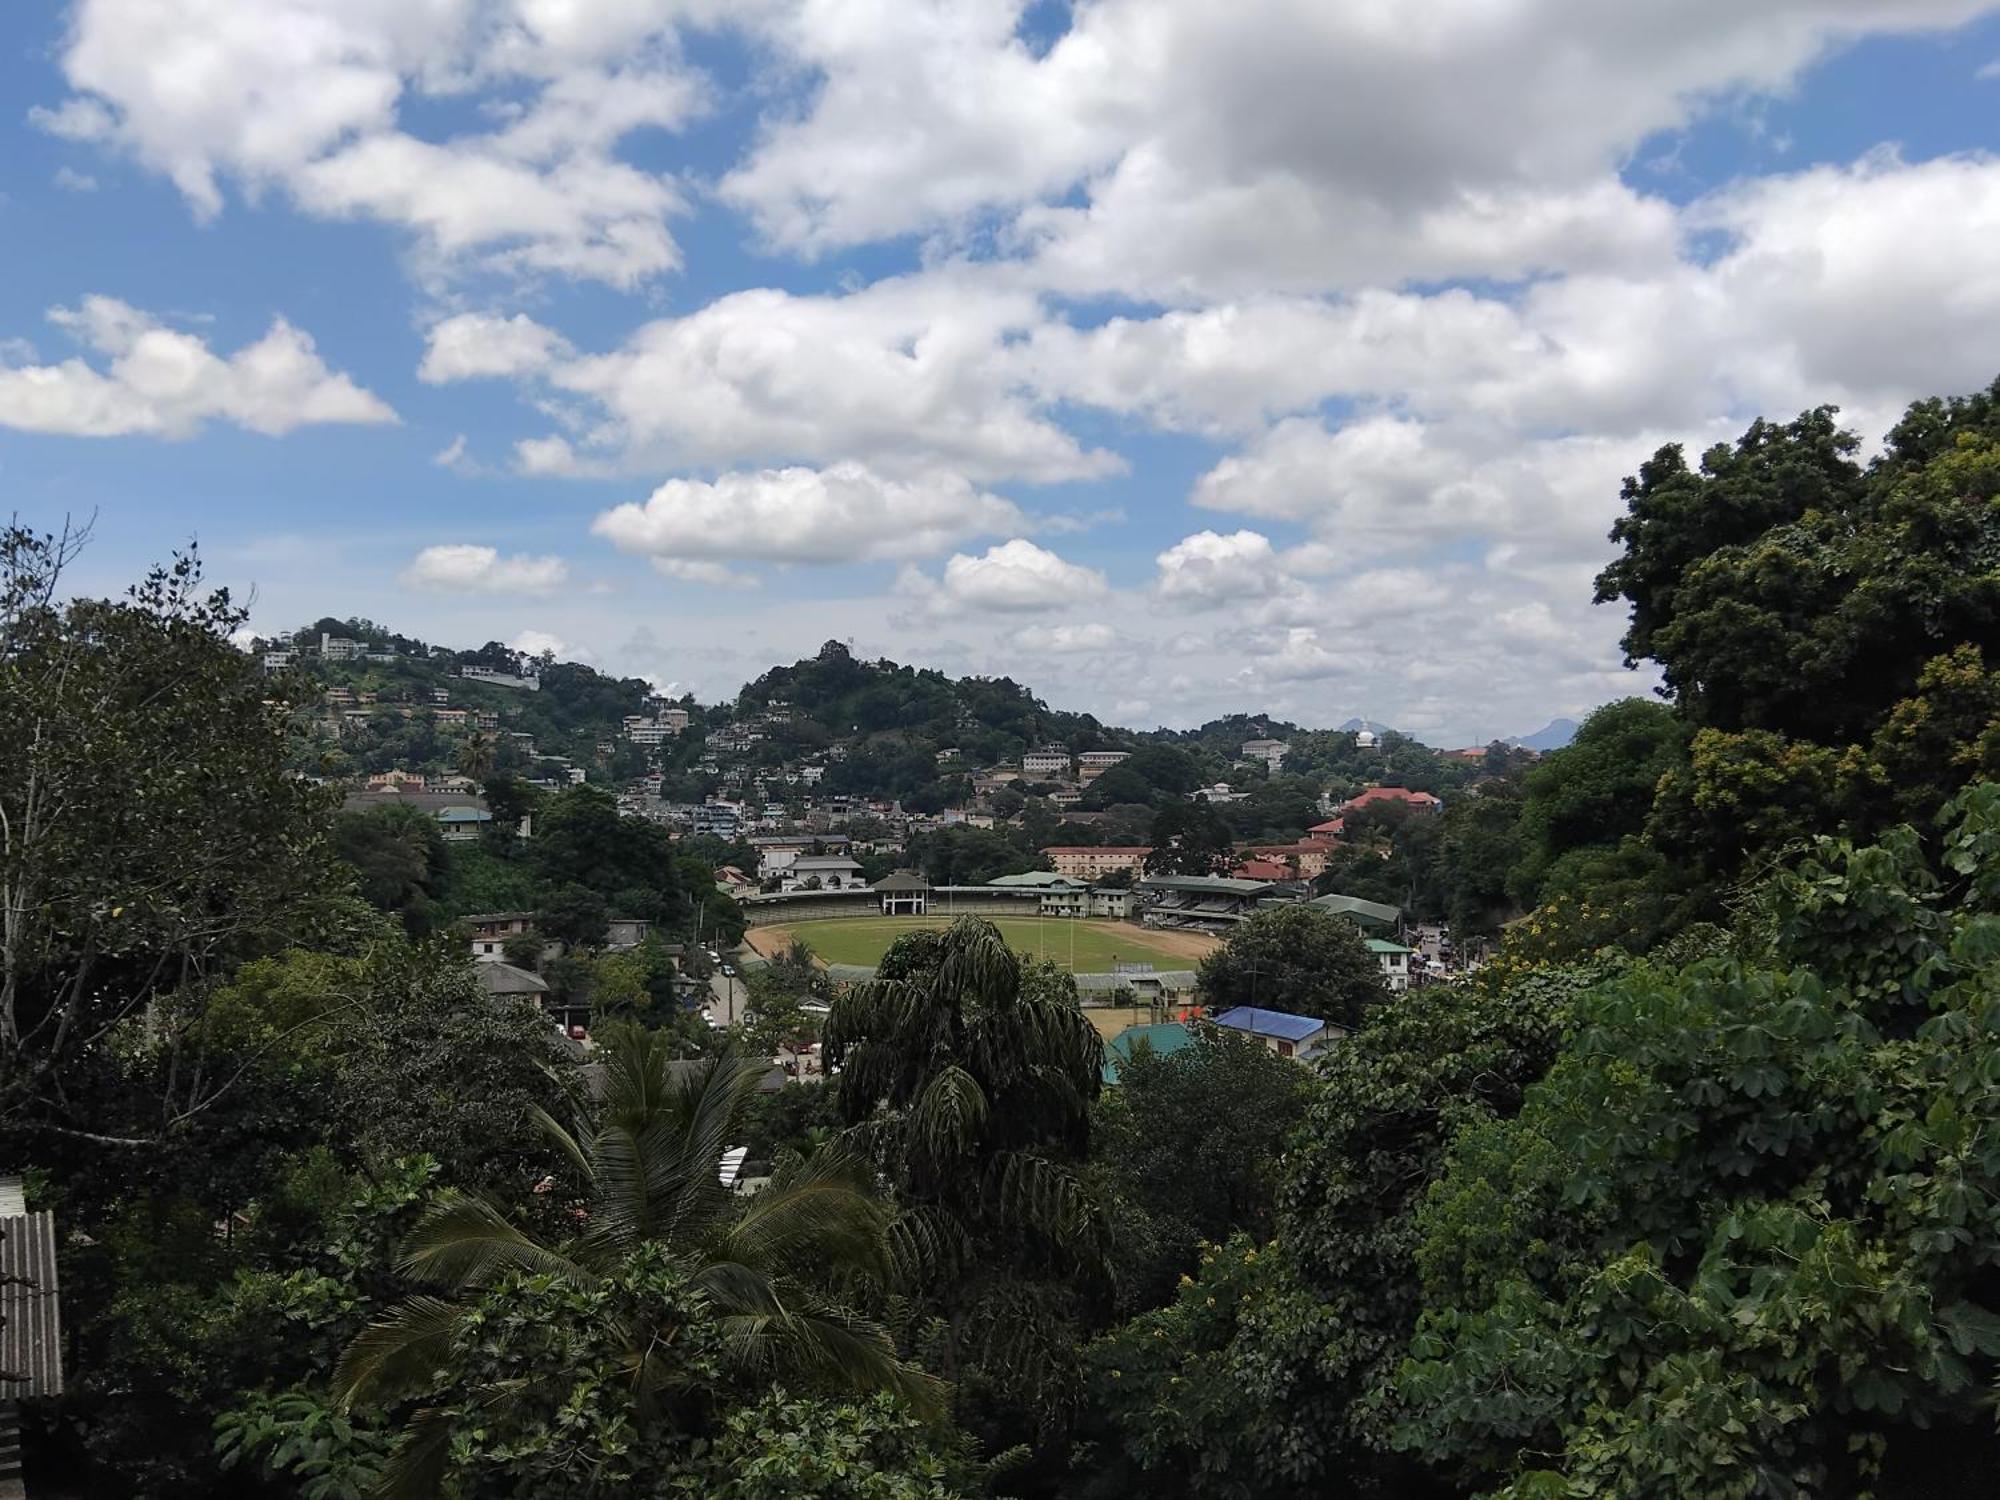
(1355, 726)
(1551, 736)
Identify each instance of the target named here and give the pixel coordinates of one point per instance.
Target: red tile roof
(1376, 794)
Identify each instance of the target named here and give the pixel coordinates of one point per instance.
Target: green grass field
(1095, 946)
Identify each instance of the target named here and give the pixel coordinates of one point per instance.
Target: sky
(1173, 357)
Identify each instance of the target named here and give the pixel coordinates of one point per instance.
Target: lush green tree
(574, 915)
(1267, 1374)
(1189, 838)
(150, 835)
(970, 1083)
(1187, 1149)
(581, 840)
(531, 1359)
(1296, 959)
(399, 856)
(1740, 1239)
(787, 1449)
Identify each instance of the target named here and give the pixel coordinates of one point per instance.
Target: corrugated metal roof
(1277, 1023)
(30, 1321)
(1356, 907)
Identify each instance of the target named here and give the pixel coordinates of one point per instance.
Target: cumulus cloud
(471, 569)
(473, 346)
(1018, 575)
(846, 513)
(1064, 640)
(1194, 149)
(1210, 568)
(161, 382)
(907, 375)
(311, 96)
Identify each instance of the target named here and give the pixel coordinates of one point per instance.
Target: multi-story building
(500, 679)
(1046, 760)
(278, 661)
(337, 647)
(1092, 764)
(676, 719)
(1270, 752)
(1087, 862)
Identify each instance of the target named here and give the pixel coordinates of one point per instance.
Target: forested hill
(889, 726)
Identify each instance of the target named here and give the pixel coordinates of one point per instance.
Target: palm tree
(974, 1089)
(650, 1160)
(476, 755)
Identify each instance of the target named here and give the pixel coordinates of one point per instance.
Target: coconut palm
(476, 755)
(767, 1271)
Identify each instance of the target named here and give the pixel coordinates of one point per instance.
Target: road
(726, 998)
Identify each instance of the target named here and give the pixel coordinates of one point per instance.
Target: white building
(822, 872)
(1046, 760)
(337, 647)
(500, 679)
(1094, 763)
(676, 719)
(278, 661)
(1395, 961)
(1270, 752)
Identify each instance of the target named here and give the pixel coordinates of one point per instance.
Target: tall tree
(149, 831)
(1296, 959)
(970, 1082)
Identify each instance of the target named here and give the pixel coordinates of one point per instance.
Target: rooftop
(1163, 1038)
(1214, 885)
(1280, 1024)
(1372, 912)
(1383, 945)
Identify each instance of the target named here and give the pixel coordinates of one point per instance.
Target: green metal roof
(1372, 912)
(1162, 1037)
(1383, 945)
(1216, 885)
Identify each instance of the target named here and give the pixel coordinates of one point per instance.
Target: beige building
(1082, 862)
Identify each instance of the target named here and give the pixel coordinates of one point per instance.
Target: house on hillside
(1092, 764)
(1300, 1037)
(490, 931)
(1092, 862)
(1377, 796)
(1046, 760)
(1395, 961)
(1270, 752)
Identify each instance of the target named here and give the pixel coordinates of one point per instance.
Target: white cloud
(456, 456)
(472, 346)
(310, 96)
(542, 643)
(1064, 640)
(472, 569)
(713, 574)
(1200, 150)
(161, 382)
(1209, 568)
(846, 513)
(1018, 575)
(909, 375)
(72, 181)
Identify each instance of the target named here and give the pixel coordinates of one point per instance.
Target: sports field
(1085, 947)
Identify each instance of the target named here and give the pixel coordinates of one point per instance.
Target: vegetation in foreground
(1695, 1192)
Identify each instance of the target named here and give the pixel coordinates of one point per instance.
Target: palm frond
(946, 1119)
(1043, 1195)
(927, 1246)
(830, 1348)
(415, 1470)
(818, 1212)
(467, 1242)
(397, 1353)
(563, 1140)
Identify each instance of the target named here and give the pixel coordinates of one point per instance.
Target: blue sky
(1175, 357)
